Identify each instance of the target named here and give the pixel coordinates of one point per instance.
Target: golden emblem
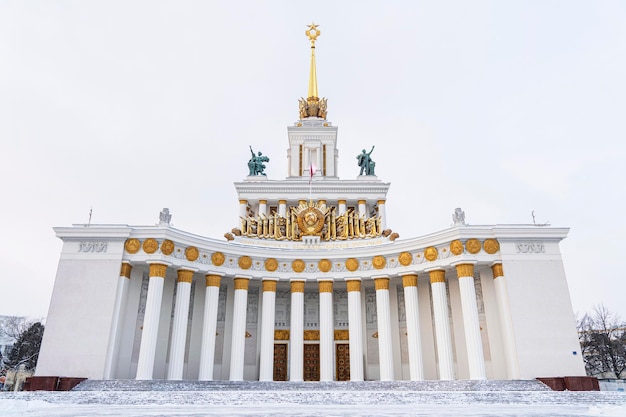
(167, 247)
(191, 253)
(298, 265)
(132, 246)
(324, 265)
(456, 247)
(311, 221)
(271, 264)
(405, 259)
(150, 245)
(430, 253)
(244, 262)
(218, 259)
(352, 264)
(491, 246)
(473, 246)
(379, 262)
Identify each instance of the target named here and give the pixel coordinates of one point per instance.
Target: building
(311, 285)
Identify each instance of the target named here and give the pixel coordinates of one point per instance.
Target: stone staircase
(365, 386)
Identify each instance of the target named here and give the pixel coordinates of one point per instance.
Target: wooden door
(280, 361)
(342, 361)
(312, 362)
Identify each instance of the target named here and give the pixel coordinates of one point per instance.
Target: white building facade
(311, 285)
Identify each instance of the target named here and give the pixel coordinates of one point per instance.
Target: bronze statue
(255, 164)
(365, 162)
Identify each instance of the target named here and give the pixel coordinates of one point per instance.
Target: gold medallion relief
(271, 264)
(150, 245)
(298, 265)
(491, 246)
(324, 265)
(379, 262)
(218, 259)
(244, 262)
(430, 253)
(191, 253)
(456, 247)
(167, 247)
(473, 246)
(352, 264)
(405, 259)
(132, 246)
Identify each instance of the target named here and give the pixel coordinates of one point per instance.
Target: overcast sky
(126, 107)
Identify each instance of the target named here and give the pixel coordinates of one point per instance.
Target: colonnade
(441, 325)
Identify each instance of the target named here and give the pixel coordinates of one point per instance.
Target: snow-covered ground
(314, 403)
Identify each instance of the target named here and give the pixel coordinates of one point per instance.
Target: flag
(311, 172)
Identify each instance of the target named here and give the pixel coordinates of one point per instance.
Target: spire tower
(313, 106)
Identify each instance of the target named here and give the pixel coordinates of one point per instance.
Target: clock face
(311, 221)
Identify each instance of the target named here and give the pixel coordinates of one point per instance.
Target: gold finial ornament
(312, 106)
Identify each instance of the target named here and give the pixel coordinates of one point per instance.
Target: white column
(327, 334)
(268, 314)
(147, 348)
(506, 322)
(121, 296)
(243, 208)
(471, 323)
(385, 352)
(442, 324)
(342, 207)
(209, 327)
(362, 208)
(383, 214)
(179, 328)
(237, 348)
(355, 329)
(263, 207)
(296, 332)
(282, 208)
(416, 365)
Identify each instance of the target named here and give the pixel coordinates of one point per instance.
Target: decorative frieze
(530, 247)
(93, 246)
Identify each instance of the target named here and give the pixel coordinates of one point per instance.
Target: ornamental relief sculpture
(311, 219)
(530, 247)
(93, 247)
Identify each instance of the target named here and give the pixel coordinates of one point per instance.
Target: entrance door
(311, 362)
(280, 361)
(342, 358)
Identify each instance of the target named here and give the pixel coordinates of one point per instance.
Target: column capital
(262, 201)
(341, 201)
(126, 270)
(213, 280)
(437, 275)
(409, 280)
(241, 283)
(381, 283)
(464, 269)
(361, 202)
(325, 285)
(497, 270)
(269, 285)
(158, 269)
(243, 201)
(354, 285)
(282, 201)
(381, 202)
(185, 275)
(297, 286)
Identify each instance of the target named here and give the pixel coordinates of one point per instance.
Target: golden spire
(312, 33)
(312, 106)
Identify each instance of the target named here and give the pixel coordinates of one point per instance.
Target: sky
(122, 108)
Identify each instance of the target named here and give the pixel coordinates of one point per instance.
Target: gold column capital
(341, 201)
(158, 270)
(381, 283)
(243, 201)
(213, 280)
(437, 275)
(464, 270)
(497, 270)
(185, 275)
(301, 201)
(354, 285)
(326, 286)
(297, 286)
(409, 280)
(269, 285)
(380, 202)
(282, 201)
(126, 269)
(241, 283)
(262, 201)
(361, 202)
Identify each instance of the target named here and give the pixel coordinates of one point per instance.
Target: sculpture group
(256, 163)
(366, 163)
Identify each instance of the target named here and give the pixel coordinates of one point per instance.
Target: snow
(312, 402)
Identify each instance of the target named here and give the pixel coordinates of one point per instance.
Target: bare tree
(602, 335)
